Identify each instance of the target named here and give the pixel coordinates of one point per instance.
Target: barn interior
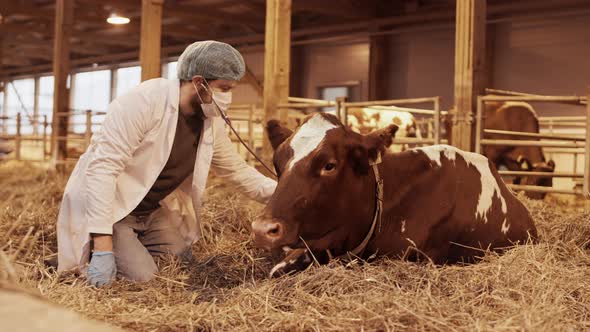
(360, 50)
(63, 61)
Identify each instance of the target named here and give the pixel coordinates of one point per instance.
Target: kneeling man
(135, 192)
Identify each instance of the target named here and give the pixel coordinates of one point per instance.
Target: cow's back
(452, 206)
(511, 116)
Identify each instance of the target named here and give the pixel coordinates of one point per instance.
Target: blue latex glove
(102, 268)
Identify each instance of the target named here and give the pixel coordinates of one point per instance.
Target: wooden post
(17, 138)
(114, 81)
(341, 111)
(587, 151)
(36, 108)
(479, 124)
(249, 159)
(151, 38)
(277, 57)
(88, 133)
(378, 68)
(5, 107)
(469, 68)
(436, 117)
(45, 125)
(64, 24)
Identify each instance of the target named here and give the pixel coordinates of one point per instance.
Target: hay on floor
(544, 287)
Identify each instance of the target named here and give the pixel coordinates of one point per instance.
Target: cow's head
(534, 180)
(325, 189)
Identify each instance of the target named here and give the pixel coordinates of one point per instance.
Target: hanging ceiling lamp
(117, 19)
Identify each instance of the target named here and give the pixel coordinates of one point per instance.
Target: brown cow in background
(438, 202)
(515, 116)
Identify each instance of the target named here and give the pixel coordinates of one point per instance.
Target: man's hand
(102, 268)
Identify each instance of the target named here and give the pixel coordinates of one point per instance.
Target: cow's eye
(329, 167)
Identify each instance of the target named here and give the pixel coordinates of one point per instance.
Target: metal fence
(559, 142)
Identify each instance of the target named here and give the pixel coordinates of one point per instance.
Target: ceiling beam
(11, 61)
(424, 16)
(195, 13)
(340, 8)
(9, 29)
(11, 8)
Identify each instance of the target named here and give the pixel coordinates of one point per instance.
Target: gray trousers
(137, 240)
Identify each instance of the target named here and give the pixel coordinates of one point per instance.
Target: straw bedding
(543, 287)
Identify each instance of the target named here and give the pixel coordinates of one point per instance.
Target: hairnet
(210, 59)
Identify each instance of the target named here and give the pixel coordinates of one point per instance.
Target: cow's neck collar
(376, 215)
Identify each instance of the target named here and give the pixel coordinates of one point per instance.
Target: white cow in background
(5, 148)
(366, 120)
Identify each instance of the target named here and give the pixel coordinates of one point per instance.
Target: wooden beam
(114, 82)
(36, 107)
(469, 68)
(14, 28)
(64, 19)
(338, 8)
(10, 8)
(151, 39)
(2, 58)
(17, 62)
(379, 60)
(4, 107)
(586, 184)
(277, 58)
(44, 13)
(207, 14)
(424, 16)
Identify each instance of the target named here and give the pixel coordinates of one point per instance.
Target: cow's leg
(295, 261)
(298, 260)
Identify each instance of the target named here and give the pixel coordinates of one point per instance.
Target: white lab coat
(123, 161)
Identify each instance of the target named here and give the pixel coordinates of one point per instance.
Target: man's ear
(197, 80)
(277, 134)
(380, 140)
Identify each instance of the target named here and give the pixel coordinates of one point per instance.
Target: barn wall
(326, 65)
(546, 58)
(245, 93)
(549, 58)
(423, 65)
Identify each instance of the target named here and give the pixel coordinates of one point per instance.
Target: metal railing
(558, 142)
(342, 108)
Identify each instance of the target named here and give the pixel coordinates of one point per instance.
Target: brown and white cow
(5, 148)
(516, 116)
(438, 201)
(366, 120)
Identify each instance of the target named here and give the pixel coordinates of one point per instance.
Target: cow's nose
(268, 229)
(267, 232)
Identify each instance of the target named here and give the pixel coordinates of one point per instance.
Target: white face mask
(221, 101)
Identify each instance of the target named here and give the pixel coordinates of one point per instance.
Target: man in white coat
(134, 194)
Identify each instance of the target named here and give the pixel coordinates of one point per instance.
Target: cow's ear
(277, 134)
(524, 163)
(359, 158)
(551, 165)
(379, 140)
